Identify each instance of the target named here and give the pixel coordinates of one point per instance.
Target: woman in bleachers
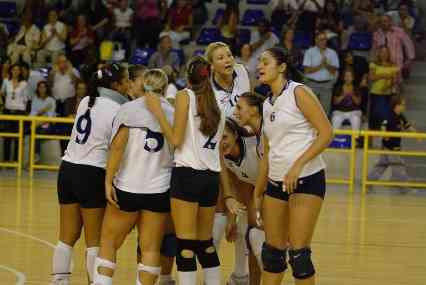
(13, 93)
(82, 39)
(148, 21)
(294, 54)
(228, 25)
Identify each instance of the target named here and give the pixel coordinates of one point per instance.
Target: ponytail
(198, 73)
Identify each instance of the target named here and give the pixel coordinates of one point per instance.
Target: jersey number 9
(83, 128)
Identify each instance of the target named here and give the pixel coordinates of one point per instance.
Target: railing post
(32, 146)
(352, 162)
(365, 163)
(20, 146)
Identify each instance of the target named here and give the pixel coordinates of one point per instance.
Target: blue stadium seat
(361, 41)
(12, 27)
(142, 56)
(258, 2)
(341, 141)
(208, 35)
(8, 9)
(180, 54)
(199, 52)
(252, 16)
(244, 36)
(302, 40)
(219, 14)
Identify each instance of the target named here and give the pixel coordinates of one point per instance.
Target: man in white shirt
(321, 65)
(53, 39)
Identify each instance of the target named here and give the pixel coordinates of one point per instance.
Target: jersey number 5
(83, 127)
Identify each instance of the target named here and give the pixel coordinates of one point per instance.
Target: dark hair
(254, 100)
(20, 78)
(236, 129)
(280, 56)
(48, 90)
(135, 71)
(198, 73)
(396, 100)
(104, 77)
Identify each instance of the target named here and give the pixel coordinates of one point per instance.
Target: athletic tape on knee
(207, 254)
(169, 245)
(273, 259)
(219, 227)
(154, 270)
(301, 263)
(185, 256)
(91, 254)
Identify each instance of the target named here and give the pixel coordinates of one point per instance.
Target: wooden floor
(360, 240)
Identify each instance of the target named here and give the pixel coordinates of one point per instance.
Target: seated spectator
(284, 12)
(309, 11)
(401, 47)
(98, 18)
(179, 21)
(42, 105)
(330, 21)
(347, 103)
(321, 65)
(82, 39)
(365, 14)
(199, 16)
(402, 18)
(246, 58)
(262, 39)
(148, 21)
(53, 39)
(164, 55)
(123, 19)
(294, 55)
(25, 43)
(13, 93)
(384, 83)
(171, 90)
(62, 77)
(228, 26)
(33, 77)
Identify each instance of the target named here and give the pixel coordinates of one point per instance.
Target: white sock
(164, 278)
(100, 279)
(211, 276)
(187, 277)
(219, 227)
(256, 239)
(61, 263)
(241, 252)
(91, 254)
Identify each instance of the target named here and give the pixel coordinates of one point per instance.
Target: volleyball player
(136, 81)
(137, 184)
(196, 134)
(81, 190)
(296, 132)
(229, 80)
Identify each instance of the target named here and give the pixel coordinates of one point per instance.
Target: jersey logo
(154, 141)
(210, 144)
(83, 127)
(272, 117)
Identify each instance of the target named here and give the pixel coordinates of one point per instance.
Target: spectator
(42, 105)
(199, 16)
(365, 15)
(294, 55)
(402, 18)
(123, 19)
(148, 21)
(347, 103)
(4, 41)
(82, 39)
(246, 58)
(330, 21)
(33, 77)
(228, 26)
(310, 10)
(384, 76)
(262, 39)
(13, 91)
(62, 78)
(321, 65)
(171, 90)
(164, 55)
(99, 18)
(25, 43)
(53, 39)
(400, 45)
(284, 12)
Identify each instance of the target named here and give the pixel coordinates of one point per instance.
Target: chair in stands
(302, 40)
(208, 35)
(252, 16)
(142, 56)
(360, 41)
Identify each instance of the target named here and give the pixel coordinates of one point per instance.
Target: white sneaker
(235, 280)
(60, 279)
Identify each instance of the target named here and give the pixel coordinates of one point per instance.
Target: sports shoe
(236, 280)
(60, 279)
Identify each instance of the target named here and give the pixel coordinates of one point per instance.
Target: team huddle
(220, 161)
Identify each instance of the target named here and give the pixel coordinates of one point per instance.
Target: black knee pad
(185, 256)
(301, 263)
(207, 254)
(169, 245)
(273, 259)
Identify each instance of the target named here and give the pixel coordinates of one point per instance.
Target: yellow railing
(34, 120)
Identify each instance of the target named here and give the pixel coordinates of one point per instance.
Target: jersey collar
(270, 95)
(112, 95)
(220, 88)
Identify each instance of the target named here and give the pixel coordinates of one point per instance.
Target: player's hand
(290, 179)
(231, 230)
(234, 207)
(111, 195)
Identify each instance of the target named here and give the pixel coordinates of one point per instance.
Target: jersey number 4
(83, 128)
(210, 144)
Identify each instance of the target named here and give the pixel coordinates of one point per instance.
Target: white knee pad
(100, 279)
(154, 270)
(256, 238)
(219, 227)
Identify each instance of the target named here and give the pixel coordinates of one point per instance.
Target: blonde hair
(155, 80)
(211, 48)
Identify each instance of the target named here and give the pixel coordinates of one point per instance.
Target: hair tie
(148, 88)
(100, 74)
(204, 71)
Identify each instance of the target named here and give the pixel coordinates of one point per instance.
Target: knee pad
(100, 279)
(169, 245)
(185, 256)
(273, 259)
(301, 263)
(207, 254)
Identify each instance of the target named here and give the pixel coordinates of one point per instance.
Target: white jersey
(289, 133)
(197, 150)
(146, 165)
(91, 133)
(227, 100)
(247, 167)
